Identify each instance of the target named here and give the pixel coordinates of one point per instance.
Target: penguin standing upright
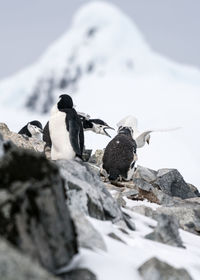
(120, 155)
(32, 129)
(66, 130)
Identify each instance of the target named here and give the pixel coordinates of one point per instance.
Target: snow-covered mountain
(104, 62)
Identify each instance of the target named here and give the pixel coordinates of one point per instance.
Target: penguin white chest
(61, 145)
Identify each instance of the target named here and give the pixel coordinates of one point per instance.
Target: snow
(122, 260)
(128, 78)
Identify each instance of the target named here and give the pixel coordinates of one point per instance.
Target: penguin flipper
(76, 137)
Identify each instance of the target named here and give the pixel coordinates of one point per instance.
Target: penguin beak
(105, 132)
(148, 141)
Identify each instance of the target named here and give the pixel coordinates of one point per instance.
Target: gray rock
(154, 269)
(20, 141)
(145, 174)
(166, 231)
(34, 216)
(87, 194)
(171, 182)
(116, 237)
(97, 157)
(142, 184)
(1, 146)
(88, 236)
(187, 215)
(14, 265)
(79, 274)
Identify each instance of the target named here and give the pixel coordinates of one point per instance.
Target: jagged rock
(146, 174)
(79, 274)
(155, 269)
(142, 184)
(171, 182)
(87, 194)
(88, 236)
(97, 157)
(33, 213)
(26, 143)
(116, 237)
(166, 231)
(188, 216)
(14, 265)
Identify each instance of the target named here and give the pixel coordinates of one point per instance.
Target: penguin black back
(119, 154)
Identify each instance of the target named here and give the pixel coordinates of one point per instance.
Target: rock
(14, 265)
(79, 274)
(146, 174)
(33, 213)
(142, 184)
(20, 141)
(86, 154)
(166, 231)
(187, 215)
(88, 236)
(171, 182)
(87, 194)
(1, 146)
(155, 269)
(116, 237)
(97, 158)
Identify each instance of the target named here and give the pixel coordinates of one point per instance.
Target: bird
(32, 129)
(65, 130)
(140, 138)
(97, 126)
(120, 155)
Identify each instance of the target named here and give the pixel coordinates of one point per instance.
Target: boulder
(171, 182)
(87, 194)
(16, 266)
(166, 231)
(33, 213)
(156, 269)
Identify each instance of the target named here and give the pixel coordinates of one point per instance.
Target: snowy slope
(104, 62)
(121, 260)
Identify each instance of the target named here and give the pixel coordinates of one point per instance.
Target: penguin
(32, 129)
(120, 155)
(65, 130)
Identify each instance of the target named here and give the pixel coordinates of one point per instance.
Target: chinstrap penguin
(120, 155)
(32, 129)
(65, 130)
(95, 125)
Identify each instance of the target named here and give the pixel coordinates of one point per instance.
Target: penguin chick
(120, 155)
(65, 130)
(32, 129)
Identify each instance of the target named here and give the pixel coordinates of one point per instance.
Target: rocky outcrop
(20, 141)
(156, 269)
(33, 213)
(86, 194)
(14, 265)
(166, 231)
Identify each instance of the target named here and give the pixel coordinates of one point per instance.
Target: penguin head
(99, 127)
(65, 102)
(35, 129)
(127, 130)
